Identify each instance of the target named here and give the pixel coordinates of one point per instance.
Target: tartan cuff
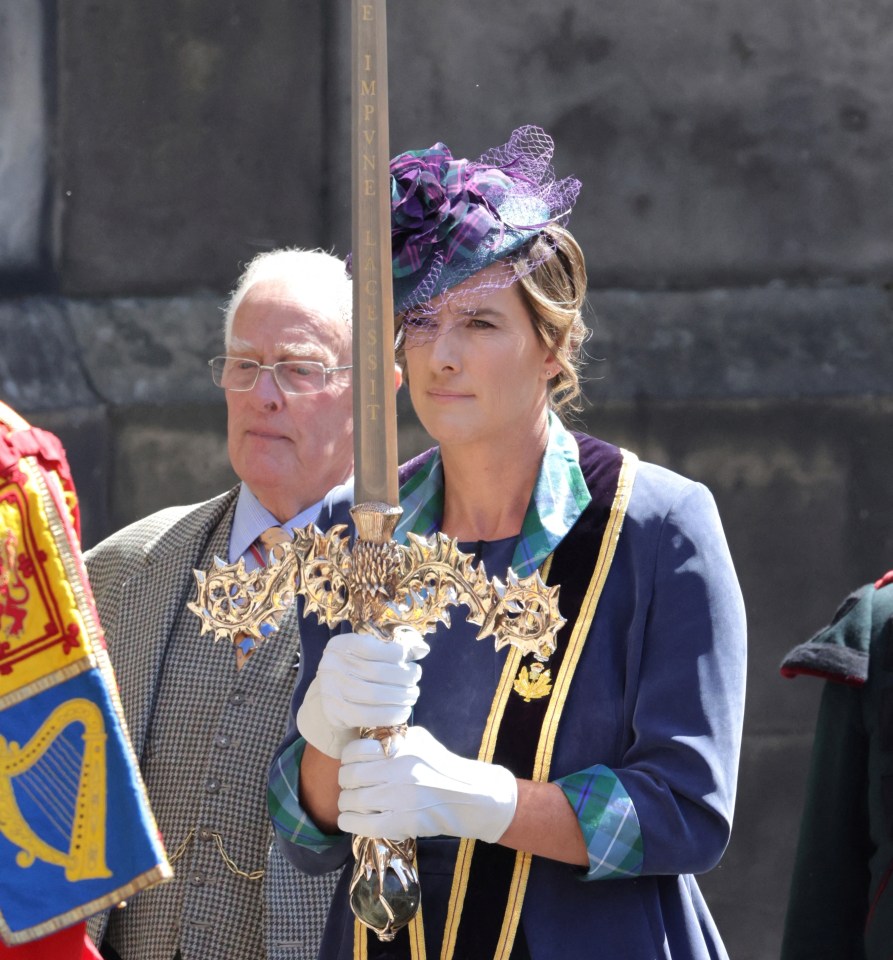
(290, 821)
(608, 820)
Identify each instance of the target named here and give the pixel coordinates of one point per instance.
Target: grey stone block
(775, 178)
(770, 341)
(162, 456)
(718, 144)
(126, 386)
(23, 135)
(149, 350)
(40, 364)
(188, 140)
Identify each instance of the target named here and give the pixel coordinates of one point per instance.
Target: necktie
(262, 548)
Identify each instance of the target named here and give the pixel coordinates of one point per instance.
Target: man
(204, 717)
(841, 900)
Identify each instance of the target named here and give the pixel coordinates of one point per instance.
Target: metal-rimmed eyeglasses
(291, 376)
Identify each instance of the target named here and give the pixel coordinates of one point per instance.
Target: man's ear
(398, 376)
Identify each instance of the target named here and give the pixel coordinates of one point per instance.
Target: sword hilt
(384, 890)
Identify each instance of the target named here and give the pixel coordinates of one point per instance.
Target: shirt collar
(560, 495)
(251, 518)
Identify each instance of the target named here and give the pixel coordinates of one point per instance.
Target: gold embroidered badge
(534, 683)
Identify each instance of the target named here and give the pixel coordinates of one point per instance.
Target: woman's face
(477, 370)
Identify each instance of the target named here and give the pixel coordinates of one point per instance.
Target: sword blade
(374, 398)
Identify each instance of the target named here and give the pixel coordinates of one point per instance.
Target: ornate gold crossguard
(378, 587)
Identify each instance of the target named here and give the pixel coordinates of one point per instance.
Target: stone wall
(735, 215)
(24, 137)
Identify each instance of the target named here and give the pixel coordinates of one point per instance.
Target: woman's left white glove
(422, 790)
(361, 682)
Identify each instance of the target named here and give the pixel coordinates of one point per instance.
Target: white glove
(422, 790)
(361, 682)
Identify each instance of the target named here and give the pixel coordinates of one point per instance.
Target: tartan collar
(560, 495)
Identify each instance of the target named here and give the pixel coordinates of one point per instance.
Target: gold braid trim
(549, 731)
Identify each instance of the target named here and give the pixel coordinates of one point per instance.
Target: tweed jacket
(204, 733)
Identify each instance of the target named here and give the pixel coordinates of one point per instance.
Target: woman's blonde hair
(554, 288)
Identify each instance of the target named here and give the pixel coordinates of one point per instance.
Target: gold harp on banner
(65, 784)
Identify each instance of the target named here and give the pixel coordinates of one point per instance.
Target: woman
(615, 763)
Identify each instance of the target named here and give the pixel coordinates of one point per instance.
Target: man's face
(290, 449)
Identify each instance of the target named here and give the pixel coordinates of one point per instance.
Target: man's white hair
(321, 278)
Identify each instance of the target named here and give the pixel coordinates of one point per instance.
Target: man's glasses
(291, 376)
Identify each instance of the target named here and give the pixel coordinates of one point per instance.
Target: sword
(384, 890)
(377, 584)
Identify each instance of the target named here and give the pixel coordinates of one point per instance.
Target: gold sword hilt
(384, 889)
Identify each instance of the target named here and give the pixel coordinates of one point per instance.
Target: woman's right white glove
(361, 682)
(423, 790)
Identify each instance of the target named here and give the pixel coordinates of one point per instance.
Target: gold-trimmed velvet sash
(493, 877)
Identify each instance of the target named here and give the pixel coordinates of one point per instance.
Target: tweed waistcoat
(205, 733)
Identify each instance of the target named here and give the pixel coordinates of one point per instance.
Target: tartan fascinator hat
(452, 218)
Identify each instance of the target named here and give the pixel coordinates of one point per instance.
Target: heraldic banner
(76, 832)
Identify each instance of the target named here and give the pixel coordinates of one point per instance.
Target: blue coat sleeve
(684, 697)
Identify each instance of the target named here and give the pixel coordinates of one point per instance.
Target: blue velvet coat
(658, 697)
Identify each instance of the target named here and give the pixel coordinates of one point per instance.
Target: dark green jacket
(841, 901)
